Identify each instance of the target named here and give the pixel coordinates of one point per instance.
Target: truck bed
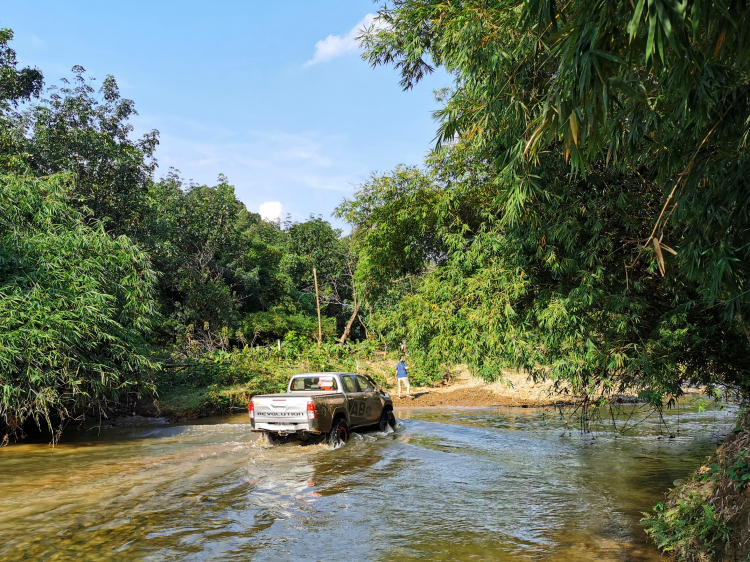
(299, 393)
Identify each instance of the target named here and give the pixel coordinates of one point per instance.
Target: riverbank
(187, 402)
(464, 390)
(514, 389)
(707, 517)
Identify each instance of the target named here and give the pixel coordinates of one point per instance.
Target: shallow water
(449, 484)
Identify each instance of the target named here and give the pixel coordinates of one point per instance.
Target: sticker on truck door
(358, 408)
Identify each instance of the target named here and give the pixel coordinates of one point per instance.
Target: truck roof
(324, 373)
(311, 392)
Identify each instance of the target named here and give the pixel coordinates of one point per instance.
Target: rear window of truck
(321, 382)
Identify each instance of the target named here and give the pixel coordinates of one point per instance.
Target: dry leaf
(659, 257)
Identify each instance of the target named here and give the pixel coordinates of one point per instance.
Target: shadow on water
(449, 484)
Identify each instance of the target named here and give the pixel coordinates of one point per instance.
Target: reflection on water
(449, 484)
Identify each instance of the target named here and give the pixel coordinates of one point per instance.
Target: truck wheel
(387, 419)
(339, 433)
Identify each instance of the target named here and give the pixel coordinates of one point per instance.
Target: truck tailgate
(281, 410)
(287, 413)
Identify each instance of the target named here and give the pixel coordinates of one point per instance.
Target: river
(508, 484)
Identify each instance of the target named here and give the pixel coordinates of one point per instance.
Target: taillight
(251, 410)
(311, 413)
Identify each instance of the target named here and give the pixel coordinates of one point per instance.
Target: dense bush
(274, 325)
(76, 305)
(222, 381)
(584, 215)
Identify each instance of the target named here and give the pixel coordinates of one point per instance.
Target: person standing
(402, 377)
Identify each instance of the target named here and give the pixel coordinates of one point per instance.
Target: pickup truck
(329, 404)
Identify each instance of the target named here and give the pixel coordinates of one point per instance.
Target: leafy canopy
(659, 86)
(585, 213)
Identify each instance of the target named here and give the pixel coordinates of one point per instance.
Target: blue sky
(272, 94)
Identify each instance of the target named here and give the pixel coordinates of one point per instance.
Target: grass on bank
(707, 517)
(223, 382)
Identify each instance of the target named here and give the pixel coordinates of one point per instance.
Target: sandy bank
(515, 389)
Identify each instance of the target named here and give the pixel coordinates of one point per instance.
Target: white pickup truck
(330, 404)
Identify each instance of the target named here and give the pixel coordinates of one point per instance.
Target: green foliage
(585, 216)
(225, 368)
(221, 381)
(396, 217)
(314, 244)
(274, 325)
(76, 130)
(568, 80)
(216, 382)
(75, 305)
(218, 260)
(690, 529)
(550, 295)
(223, 266)
(739, 472)
(15, 85)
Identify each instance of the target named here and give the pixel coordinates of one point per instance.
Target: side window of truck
(349, 385)
(364, 384)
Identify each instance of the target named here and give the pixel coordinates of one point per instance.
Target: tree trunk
(349, 324)
(317, 303)
(367, 332)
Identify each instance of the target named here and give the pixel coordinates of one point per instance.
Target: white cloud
(337, 45)
(270, 211)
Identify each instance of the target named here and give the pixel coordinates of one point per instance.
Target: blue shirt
(401, 369)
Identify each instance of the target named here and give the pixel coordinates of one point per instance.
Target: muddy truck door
(373, 405)
(356, 400)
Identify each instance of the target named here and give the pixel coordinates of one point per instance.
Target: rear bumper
(286, 428)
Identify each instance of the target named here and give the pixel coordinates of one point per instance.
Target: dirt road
(515, 389)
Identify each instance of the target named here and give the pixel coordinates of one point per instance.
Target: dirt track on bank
(515, 389)
(466, 391)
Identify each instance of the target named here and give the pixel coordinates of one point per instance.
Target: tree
(315, 244)
(568, 272)
(664, 89)
(15, 85)
(74, 130)
(218, 261)
(76, 305)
